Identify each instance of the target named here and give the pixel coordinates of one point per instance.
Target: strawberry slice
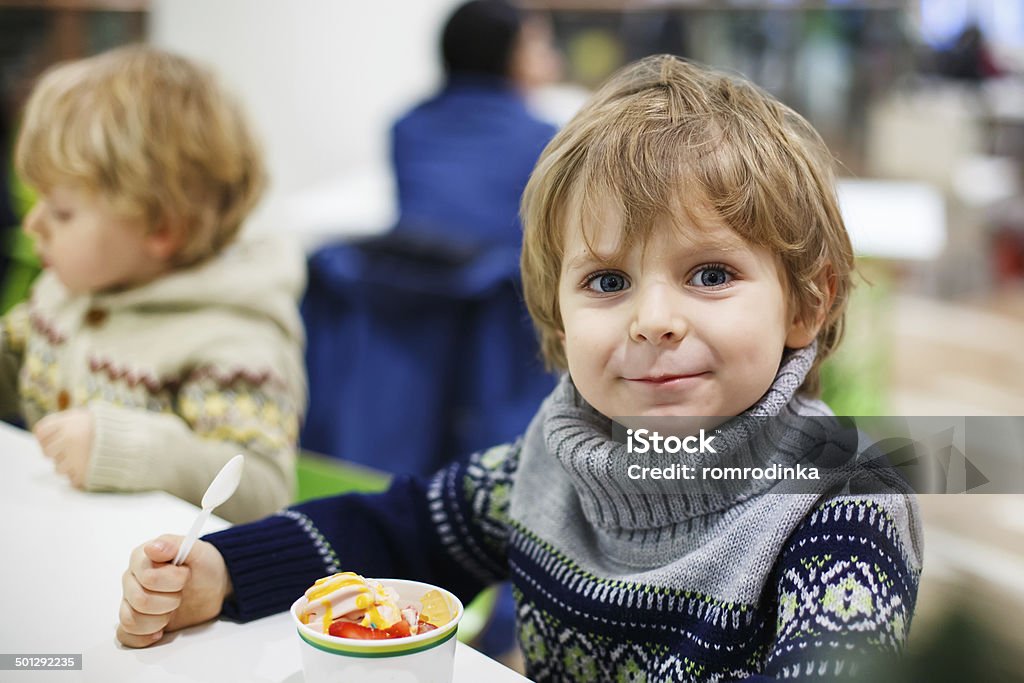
(400, 629)
(346, 629)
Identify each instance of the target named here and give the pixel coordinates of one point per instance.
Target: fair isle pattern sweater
(612, 585)
(179, 374)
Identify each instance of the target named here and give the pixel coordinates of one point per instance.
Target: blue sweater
(610, 586)
(462, 160)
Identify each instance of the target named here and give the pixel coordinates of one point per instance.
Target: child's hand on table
(158, 597)
(66, 438)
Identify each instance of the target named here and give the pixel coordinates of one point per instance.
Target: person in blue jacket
(462, 158)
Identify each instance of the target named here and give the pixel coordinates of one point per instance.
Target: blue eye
(711, 276)
(607, 283)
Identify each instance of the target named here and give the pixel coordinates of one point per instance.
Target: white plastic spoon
(221, 488)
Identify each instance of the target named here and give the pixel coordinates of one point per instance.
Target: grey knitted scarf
(572, 492)
(771, 431)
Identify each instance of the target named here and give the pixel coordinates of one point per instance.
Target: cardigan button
(63, 400)
(95, 317)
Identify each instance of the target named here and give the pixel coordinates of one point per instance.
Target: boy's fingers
(53, 447)
(132, 640)
(45, 429)
(163, 548)
(147, 601)
(39, 428)
(138, 624)
(151, 591)
(162, 578)
(156, 575)
(61, 464)
(46, 446)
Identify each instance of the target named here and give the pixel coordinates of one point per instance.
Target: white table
(60, 586)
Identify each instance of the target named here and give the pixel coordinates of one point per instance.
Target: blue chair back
(418, 352)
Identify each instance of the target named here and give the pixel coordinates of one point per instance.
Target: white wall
(321, 79)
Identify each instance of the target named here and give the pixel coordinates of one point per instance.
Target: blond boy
(684, 256)
(152, 350)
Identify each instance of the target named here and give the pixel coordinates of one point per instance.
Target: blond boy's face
(692, 323)
(87, 244)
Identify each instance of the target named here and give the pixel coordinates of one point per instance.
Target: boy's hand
(159, 597)
(66, 438)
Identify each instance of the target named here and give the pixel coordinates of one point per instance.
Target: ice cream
(350, 606)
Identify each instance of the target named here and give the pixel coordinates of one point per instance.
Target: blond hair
(665, 135)
(154, 134)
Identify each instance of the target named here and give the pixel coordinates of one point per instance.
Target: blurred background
(921, 101)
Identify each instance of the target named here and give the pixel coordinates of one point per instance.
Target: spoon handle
(191, 536)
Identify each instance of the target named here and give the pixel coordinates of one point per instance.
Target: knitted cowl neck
(580, 439)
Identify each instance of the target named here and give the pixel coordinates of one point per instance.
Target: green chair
(855, 380)
(22, 269)
(319, 476)
(23, 265)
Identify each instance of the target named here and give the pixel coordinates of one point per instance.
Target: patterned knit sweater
(179, 374)
(612, 585)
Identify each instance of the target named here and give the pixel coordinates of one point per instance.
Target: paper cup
(425, 658)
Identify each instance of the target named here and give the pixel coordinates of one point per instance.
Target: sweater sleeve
(845, 589)
(217, 418)
(450, 530)
(13, 334)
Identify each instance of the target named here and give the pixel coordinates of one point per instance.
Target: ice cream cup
(425, 658)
